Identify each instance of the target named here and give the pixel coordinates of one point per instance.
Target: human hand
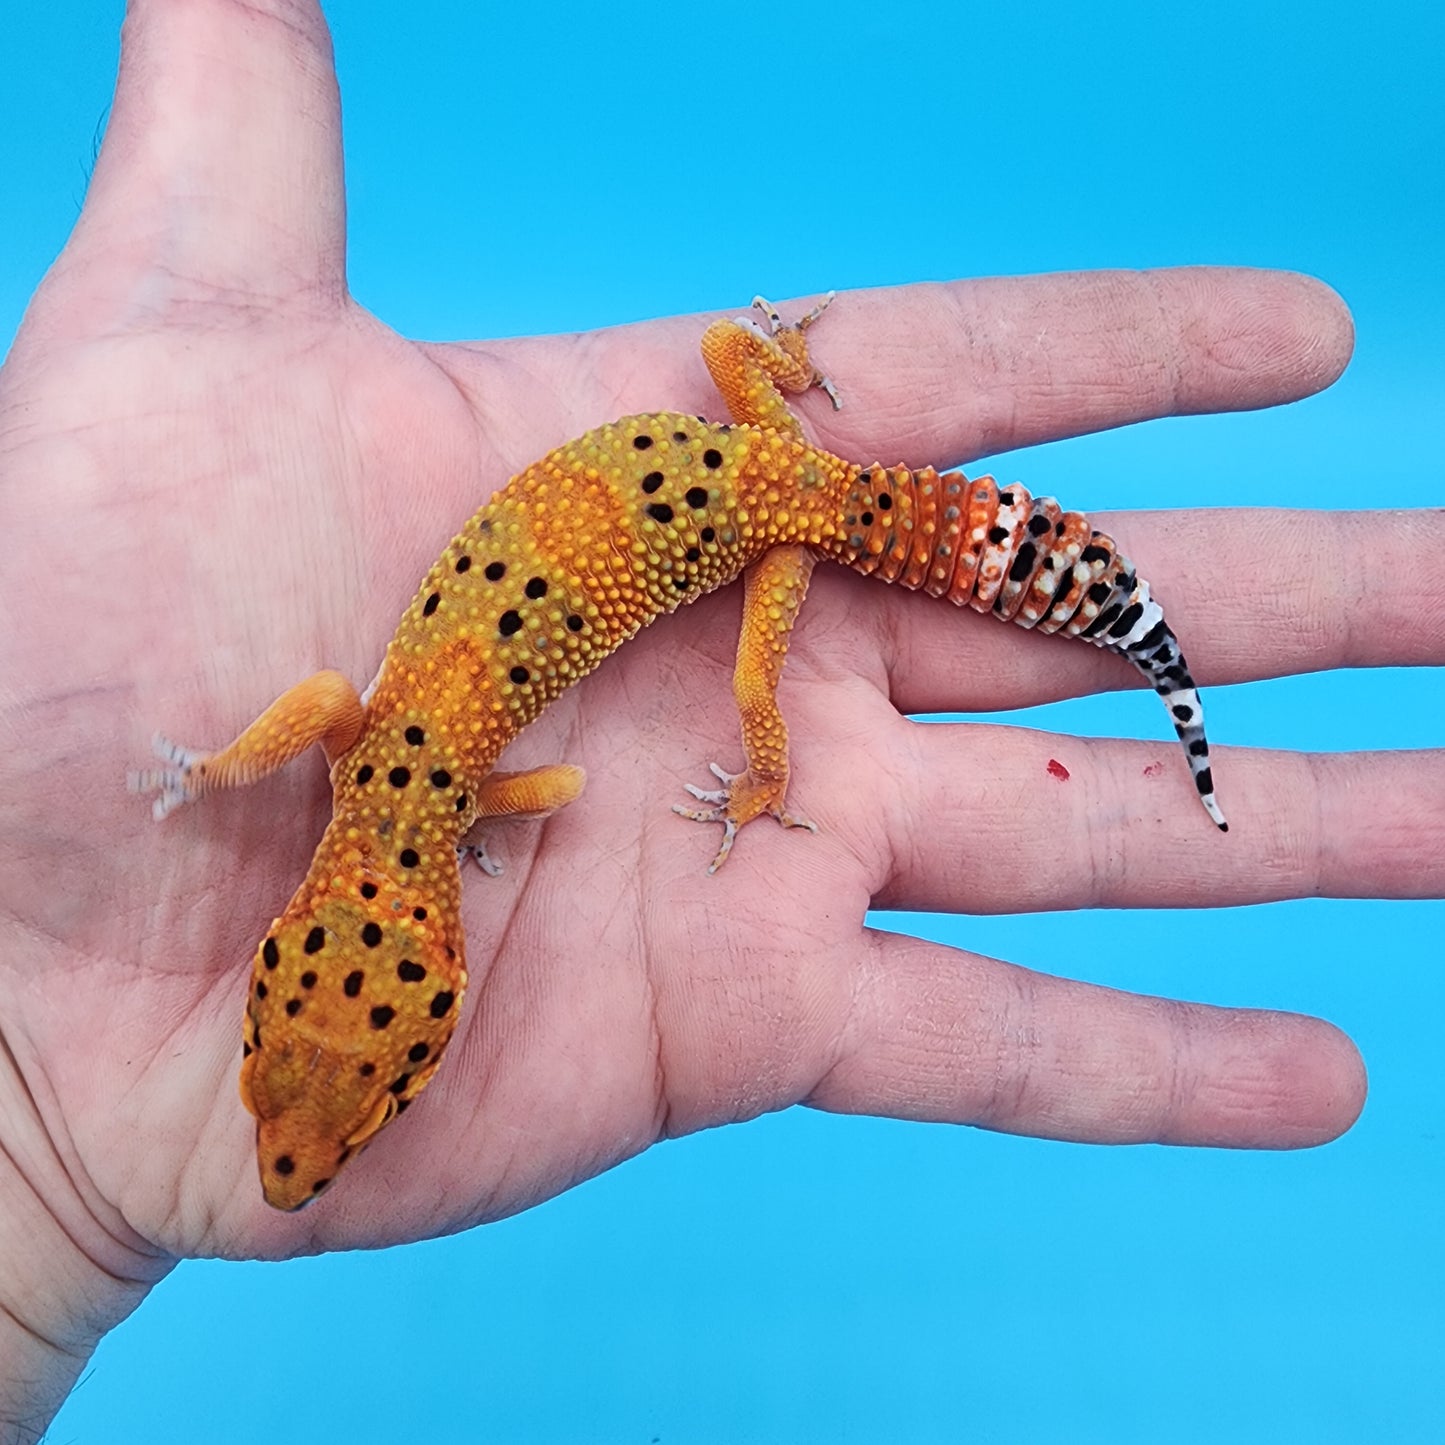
(219, 474)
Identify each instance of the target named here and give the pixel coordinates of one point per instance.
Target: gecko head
(349, 1013)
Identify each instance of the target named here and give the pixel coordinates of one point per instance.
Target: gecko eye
(381, 1115)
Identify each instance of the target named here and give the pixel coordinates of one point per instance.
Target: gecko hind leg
(773, 590)
(755, 366)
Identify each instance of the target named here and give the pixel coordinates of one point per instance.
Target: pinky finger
(942, 1035)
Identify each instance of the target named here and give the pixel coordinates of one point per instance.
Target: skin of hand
(218, 474)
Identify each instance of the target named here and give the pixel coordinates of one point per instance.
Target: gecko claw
(806, 321)
(477, 852)
(712, 815)
(761, 303)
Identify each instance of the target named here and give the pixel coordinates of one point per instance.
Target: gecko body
(356, 988)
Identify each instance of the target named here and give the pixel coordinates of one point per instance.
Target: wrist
(69, 1270)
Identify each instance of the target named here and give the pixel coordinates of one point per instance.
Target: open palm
(219, 474)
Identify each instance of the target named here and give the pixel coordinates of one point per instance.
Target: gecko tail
(1025, 560)
(1150, 644)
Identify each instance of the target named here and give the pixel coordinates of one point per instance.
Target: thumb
(220, 177)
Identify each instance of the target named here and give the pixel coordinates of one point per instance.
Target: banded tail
(1025, 560)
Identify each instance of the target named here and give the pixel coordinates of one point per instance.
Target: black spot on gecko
(461, 802)
(1023, 562)
(315, 940)
(441, 1004)
(696, 497)
(415, 736)
(293, 1007)
(682, 583)
(260, 990)
(1127, 618)
(402, 1105)
(441, 778)
(382, 1015)
(1103, 620)
(409, 972)
(366, 1070)
(1005, 499)
(1183, 712)
(1099, 592)
(679, 436)
(399, 777)
(998, 535)
(371, 935)
(1199, 748)
(398, 1084)
(574, 623)
(1204, 781)
(409, 858)
(464, 564)
(368, 890)
(642, 443)
(1153, 637)
(308, 979)
(708, 535)
(866, 519)
(364, 775)
(885, 501)
(1038, 524)
(536, 587)
(659, 511)
(651, 482)
(284, 1164)
(519, 675)
(509, 622)
(419, 914)
(693, 554)
(270, 954)
(246, 1050)
(319, 1185)
(1093, 553)
(712, 459)
(1065, 586)
(417, 1052)
(494, 571)
(431, 605)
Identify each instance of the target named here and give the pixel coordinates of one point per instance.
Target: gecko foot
(172, 783)
(777, 328)
(741, 799)
(477, 852)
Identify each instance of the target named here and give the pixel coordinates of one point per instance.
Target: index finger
(941, 372)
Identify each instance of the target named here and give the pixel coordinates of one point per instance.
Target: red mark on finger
(1058, 770)
(1153, 770)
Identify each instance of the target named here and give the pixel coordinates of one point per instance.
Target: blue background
(807, 1277)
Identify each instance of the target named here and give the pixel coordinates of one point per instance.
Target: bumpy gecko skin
(356, 988)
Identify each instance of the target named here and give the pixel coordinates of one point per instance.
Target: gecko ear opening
(248, 1067)
(381, 1115)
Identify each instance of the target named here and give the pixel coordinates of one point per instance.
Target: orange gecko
(357, 987)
